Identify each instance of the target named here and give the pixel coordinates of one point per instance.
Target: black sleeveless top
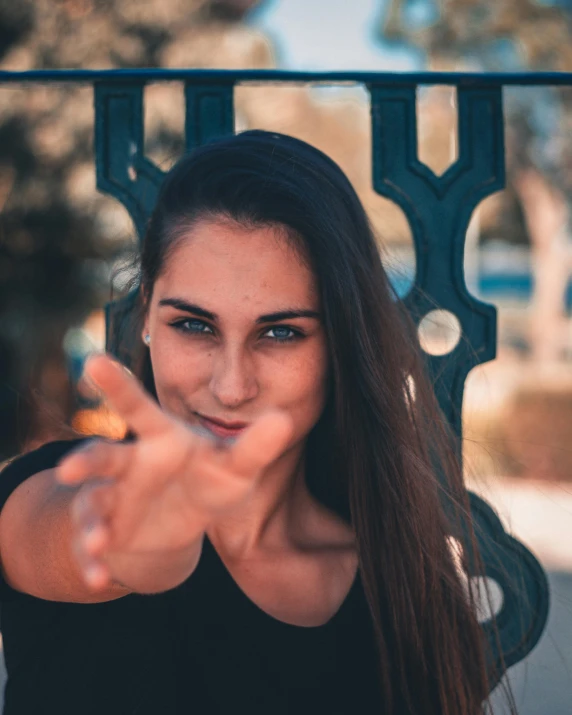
(202, 647)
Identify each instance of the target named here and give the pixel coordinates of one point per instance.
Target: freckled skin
(290, 555)
(236, 371)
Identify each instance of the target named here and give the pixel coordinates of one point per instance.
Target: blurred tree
(58, 237)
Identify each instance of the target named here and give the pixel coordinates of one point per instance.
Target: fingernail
(120, 366)
(87, 382)
(93, 575)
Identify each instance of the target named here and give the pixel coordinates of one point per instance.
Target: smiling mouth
(222, 429)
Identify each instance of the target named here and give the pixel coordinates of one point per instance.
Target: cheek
(303, 385)
(178, 373)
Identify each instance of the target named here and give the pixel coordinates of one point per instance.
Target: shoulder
(37, 460)
(46, 452)
(43, 457)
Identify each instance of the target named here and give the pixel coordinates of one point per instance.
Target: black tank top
(203, 647)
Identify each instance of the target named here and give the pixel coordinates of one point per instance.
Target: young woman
(269, 537)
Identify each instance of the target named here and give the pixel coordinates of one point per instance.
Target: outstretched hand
(159, 493)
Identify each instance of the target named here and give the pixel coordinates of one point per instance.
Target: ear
(145, 329)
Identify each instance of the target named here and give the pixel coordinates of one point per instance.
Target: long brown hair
(372, 455)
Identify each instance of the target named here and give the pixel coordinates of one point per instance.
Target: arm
(36, 550)
(135, 512)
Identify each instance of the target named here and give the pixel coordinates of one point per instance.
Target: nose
(233, 379)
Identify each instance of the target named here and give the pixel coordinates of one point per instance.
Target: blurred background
(62, 244)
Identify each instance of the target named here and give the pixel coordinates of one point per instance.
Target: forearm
(37, 555)
(36, 545)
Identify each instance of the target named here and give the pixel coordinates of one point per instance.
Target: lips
(223, 429)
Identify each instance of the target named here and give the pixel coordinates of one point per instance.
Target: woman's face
(235, 327)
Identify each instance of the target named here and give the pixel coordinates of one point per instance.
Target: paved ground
(542, 684)
(540, 515)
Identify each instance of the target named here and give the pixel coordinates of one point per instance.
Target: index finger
(126, 395)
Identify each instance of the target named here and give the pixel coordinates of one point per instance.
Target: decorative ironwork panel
(209, 112)
(439, 210)
(121, 167)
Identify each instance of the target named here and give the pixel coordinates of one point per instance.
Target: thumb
(261, 443)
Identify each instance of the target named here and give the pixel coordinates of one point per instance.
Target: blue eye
(196, 326)
(283, 331)
(193, 326)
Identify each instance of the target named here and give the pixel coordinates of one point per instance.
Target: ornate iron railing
(438, 209)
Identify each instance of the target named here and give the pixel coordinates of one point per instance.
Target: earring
(147, 339)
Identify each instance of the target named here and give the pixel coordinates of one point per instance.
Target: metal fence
(438, 209)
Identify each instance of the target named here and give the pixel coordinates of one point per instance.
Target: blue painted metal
(209, 112)
(457, 79)
(121, 167)
(438, 209)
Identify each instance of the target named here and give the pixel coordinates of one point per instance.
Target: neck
(273, 513)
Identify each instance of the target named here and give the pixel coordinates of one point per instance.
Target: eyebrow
(184, 305)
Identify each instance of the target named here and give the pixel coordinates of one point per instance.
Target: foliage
(58, 237)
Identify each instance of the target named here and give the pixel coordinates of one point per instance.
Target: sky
(334, 34)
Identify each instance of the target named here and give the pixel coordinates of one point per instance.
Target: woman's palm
(159, 492)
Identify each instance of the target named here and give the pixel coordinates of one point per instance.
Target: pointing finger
(126, 395)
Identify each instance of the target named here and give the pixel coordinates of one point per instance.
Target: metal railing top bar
(208, 76)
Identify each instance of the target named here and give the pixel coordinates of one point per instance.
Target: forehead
(224, 261)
